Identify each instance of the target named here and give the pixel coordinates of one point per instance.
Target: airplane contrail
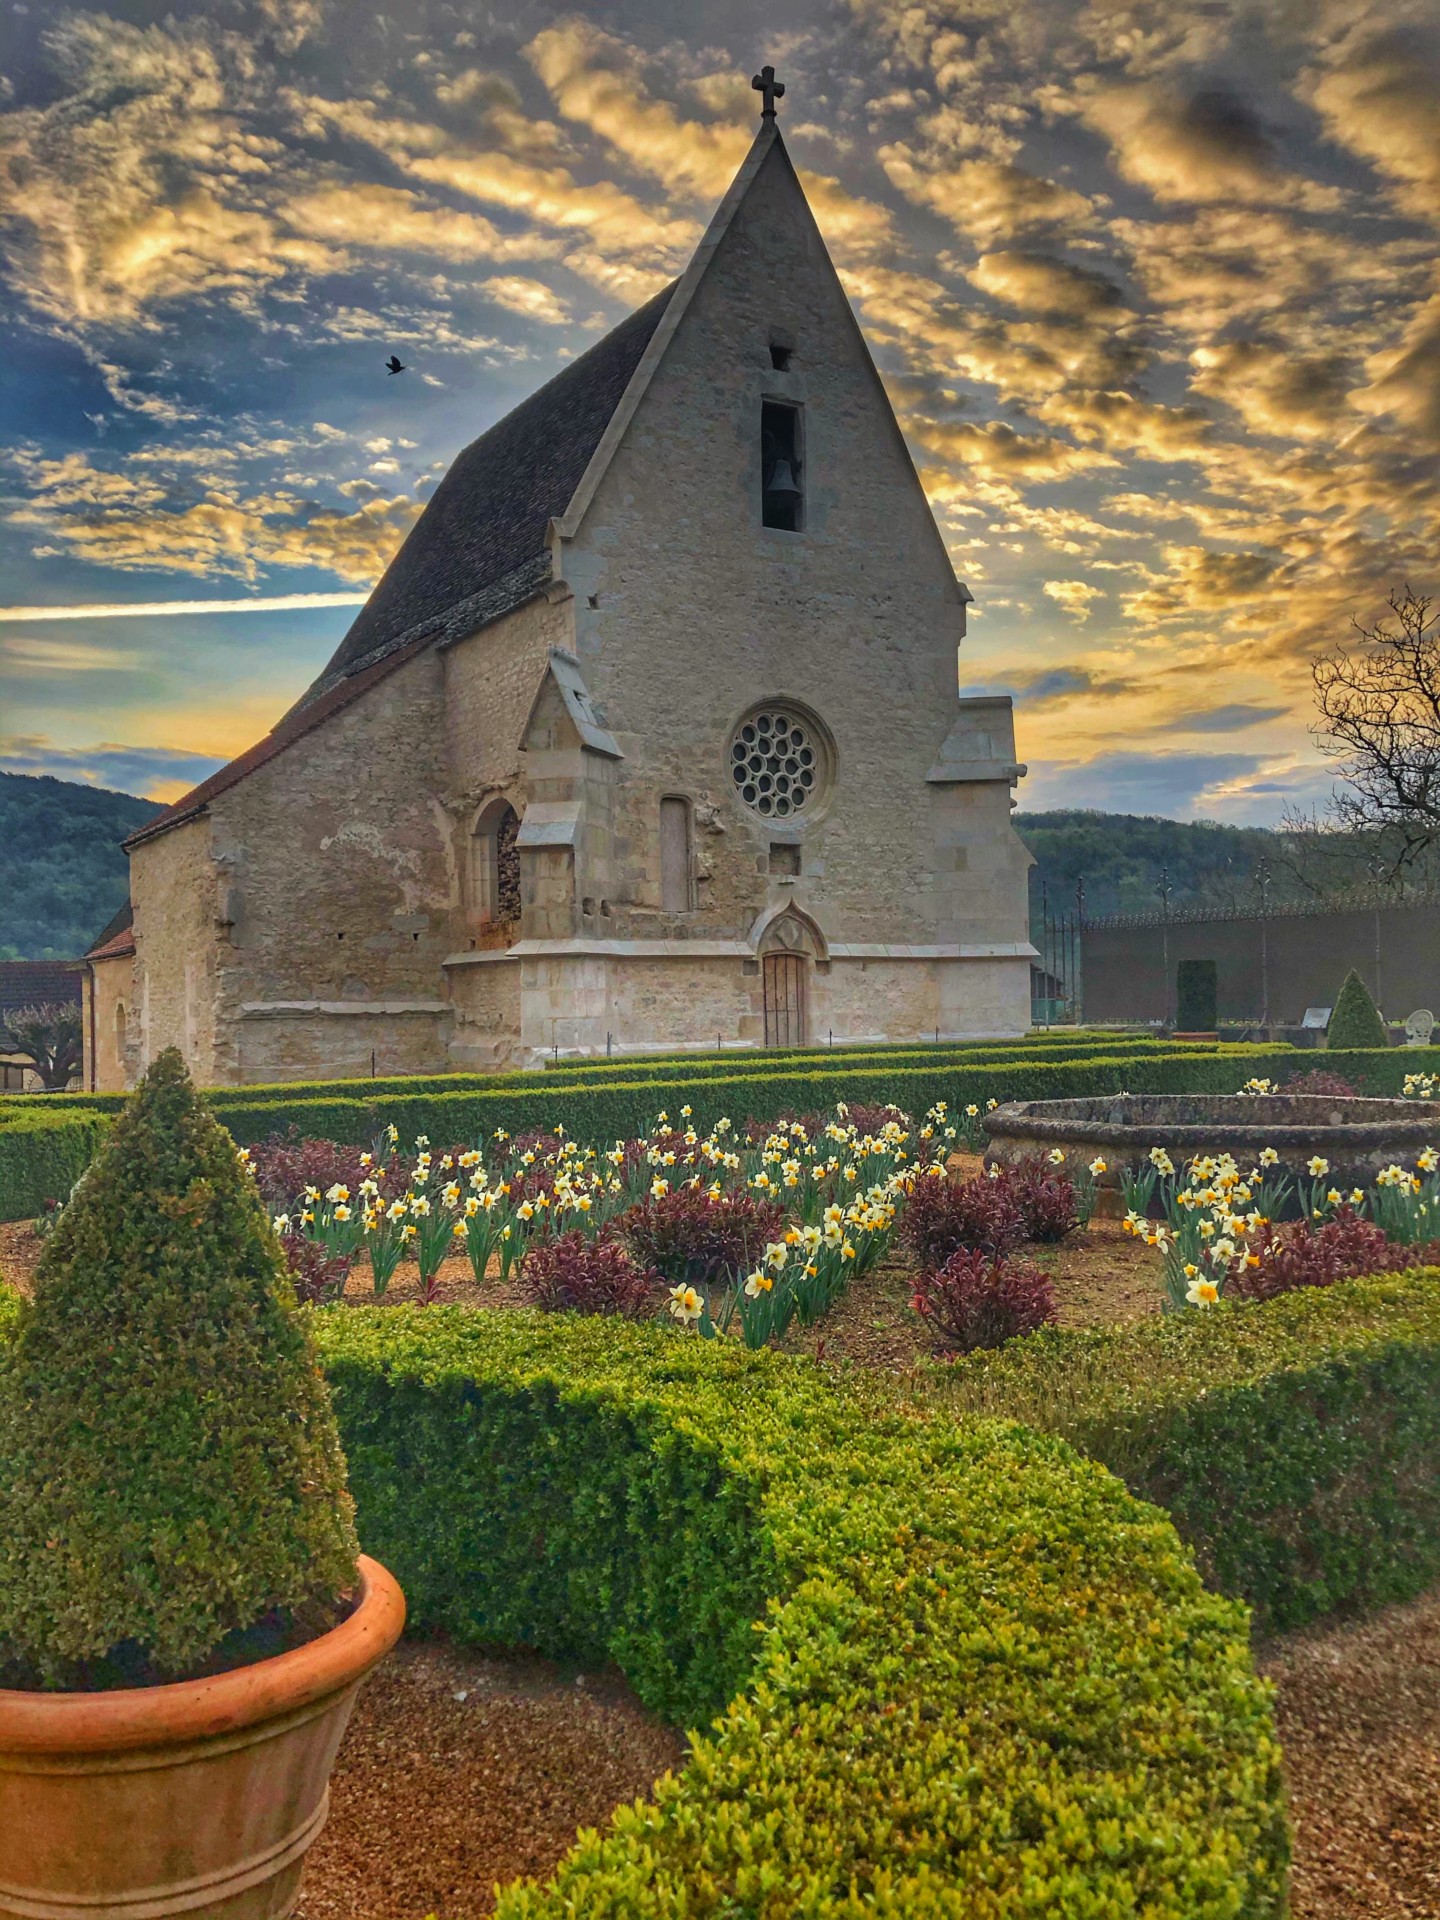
(135, 609)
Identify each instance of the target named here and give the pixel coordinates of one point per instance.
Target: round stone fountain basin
(1356, 1136)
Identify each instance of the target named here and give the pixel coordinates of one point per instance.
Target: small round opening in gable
(778, 762)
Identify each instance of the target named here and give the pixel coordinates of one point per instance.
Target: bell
(782, 479)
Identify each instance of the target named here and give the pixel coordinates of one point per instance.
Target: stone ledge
(727, 950)
(291, 1009)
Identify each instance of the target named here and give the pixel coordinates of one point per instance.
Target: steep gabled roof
(117, 937)
(483, 532)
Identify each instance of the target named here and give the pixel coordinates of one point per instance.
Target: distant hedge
(601, 1109)
(42, 1155)
(1296, 1445)
(937, 1669)
(734, 1064)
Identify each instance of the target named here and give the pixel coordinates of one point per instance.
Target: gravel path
(460, 1770)
(1359, 1718)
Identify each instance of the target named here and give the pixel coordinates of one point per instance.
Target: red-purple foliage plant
(284, 1165)
(1045, 1197)
(690, 1237)
(1323, 1085)
(316, 1275)
(574, 1274)
(943, 1215)
(1299, 1254)
(978, 1300)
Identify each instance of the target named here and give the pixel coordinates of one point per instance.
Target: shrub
(691, 1238)
(1354, 1021)
(936, 1669)
(1195, 996)
(284, 1165)
(1322, 1085)
(977, 1300)
(317, 1276)
(1045, 1198)
(1300, 1254)
(944, 1215)
(575, 1274)
(170, 1472)
(1296, 1445)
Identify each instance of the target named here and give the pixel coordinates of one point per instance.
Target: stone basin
(1357, 1136)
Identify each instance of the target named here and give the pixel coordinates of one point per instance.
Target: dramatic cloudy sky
(1152, 282)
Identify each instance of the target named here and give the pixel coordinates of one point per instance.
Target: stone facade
(348, 905)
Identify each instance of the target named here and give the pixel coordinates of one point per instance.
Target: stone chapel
(649, 737)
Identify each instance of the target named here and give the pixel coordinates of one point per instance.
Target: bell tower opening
(782, 499)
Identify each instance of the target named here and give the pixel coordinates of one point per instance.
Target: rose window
(776, 761)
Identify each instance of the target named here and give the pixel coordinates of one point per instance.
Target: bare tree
(1379, 702)
(49, 1038)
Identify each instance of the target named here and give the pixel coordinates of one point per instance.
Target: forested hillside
(1122, 857)
(62, 874)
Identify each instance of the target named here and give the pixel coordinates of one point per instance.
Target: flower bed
(947, 1670)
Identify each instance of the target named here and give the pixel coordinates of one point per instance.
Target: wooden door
(784, 999)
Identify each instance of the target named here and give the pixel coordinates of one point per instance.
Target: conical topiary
(170, 1469)
(1354, 1021)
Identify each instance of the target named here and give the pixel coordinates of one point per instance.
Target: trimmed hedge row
(1296, 1445)
(760, 1063)
(947, 1670)
(610, 1109)
(42, 1155)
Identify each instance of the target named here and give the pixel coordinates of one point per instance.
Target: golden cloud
(988, 200)
(1203, 146)
(1073, 597)
(1379, 95)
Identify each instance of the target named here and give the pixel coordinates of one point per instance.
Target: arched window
(676, 857)
(495, 866)
(120, 1031)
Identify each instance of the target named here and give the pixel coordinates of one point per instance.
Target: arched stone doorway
(789, 945)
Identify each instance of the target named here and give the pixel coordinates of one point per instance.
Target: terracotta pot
(201, 1798)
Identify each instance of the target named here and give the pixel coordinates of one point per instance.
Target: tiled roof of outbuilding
(474, 550)
(34, 983)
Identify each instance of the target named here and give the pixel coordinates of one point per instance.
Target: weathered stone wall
(175, 889)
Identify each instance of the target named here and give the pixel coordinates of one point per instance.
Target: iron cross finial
(766, 84)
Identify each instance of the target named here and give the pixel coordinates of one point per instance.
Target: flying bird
(393, 365)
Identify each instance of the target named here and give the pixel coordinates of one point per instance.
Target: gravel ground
(1359, 1719)
(460, 1771)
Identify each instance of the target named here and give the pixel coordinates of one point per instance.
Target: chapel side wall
(109, 988)
(174, 888)
(702, 611)
(341, 888)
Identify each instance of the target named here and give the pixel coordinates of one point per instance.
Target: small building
(649, 737)
(108, 990)
(32, 983)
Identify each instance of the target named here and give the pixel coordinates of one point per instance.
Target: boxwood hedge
(761, 1062)
(42, 1155)
(940, 1669)
(1296, 1445)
